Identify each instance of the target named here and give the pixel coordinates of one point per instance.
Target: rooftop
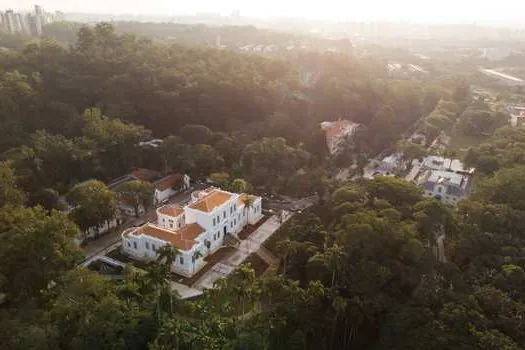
(441, 163)
(183, 239)
(168, 182)
(447, 177)
(145, 174)
(334, 129)
(212, 200)
(171, 210)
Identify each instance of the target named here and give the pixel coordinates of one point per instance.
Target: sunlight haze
(378, 10)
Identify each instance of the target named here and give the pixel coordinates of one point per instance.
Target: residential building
(165, 187)
(446, 186)
(169, 186)
(26, 23)
(446, 164)
(196, 230)
(388, 166)
(337, 132)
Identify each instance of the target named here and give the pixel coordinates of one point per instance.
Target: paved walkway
(250, 245)
(184, 291)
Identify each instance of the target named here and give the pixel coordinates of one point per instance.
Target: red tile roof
(145, 174)
(171, 210)
(336, 128)
(167, 182)
(214, 199)
(183, 239)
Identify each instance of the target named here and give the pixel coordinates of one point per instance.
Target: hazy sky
(393, 10)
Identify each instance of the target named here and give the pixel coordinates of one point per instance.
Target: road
(250, 245)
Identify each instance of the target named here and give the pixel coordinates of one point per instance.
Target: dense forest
(362, 269)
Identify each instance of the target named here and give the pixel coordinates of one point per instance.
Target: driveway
(250, 245)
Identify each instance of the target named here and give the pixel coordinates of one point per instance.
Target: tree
(196, 134)
(37, 250)
(397, 191)
(222, 180)
(139, 194)
(240, 186)
(505, 187)
(167, 254)
(9, 192)
(93, 204)
(413, 151)
(207, 159)
(248, 202)
(194, 257)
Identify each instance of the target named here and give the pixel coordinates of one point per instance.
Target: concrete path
(184, 291)
(250, 245)
(105, 259)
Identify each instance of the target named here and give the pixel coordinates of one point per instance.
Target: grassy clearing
(461, 143)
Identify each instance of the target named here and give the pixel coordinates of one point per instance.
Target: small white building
(170, 186)
(196, 230)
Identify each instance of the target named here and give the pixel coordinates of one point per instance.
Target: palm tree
(286, 248)
(248, 204)
(333, 257)
(196, 255)
(167, 253)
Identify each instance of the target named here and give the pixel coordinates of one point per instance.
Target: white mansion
(196, 230)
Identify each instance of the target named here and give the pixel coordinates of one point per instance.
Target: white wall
(144, 251)
(170, 222)
(163, 195)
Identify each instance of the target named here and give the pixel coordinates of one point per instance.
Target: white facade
(167, 187)
(197, 229)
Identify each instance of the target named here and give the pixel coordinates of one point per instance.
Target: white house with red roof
(196, 230)
(336, 133)
(170, 185)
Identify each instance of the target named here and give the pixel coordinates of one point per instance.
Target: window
(235, 222)
(163, 220)
(235, 207)
(231, 224)
(214, 237)
(213, 221)
(154, 247)
(219, 234)
(147, 245)
(181, 260)
(224, 215)
(440, 189)
(129, 244)
(135, 245)
(171, 225)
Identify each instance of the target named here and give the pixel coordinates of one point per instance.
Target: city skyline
(508, 12)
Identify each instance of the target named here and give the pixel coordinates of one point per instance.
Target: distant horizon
(447, 12)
